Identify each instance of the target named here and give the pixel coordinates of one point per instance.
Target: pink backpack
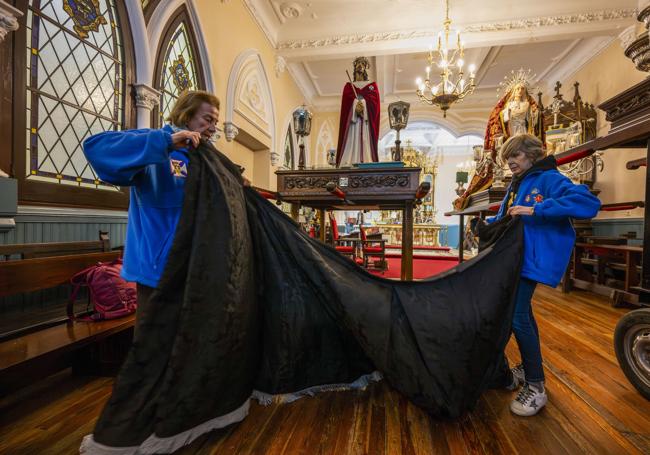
(111, 295)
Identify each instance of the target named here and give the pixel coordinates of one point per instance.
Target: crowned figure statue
(359, 121)
(516, 113)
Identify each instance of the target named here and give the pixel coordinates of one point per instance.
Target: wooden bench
(36, 351)
(626, 259)
(41, 250)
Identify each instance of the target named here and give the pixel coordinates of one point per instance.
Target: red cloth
(371, 94)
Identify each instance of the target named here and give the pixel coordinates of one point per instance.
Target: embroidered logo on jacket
(179, 168)
(539, 198)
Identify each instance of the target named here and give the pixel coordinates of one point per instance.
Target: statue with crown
(516, 113)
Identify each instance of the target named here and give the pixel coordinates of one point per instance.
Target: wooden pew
(34, 352)
(40, 250)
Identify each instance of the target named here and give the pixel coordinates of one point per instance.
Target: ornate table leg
(321, 212)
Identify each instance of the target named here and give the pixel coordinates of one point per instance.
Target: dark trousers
(526, 333)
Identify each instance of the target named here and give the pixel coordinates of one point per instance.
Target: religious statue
(516, 113)
(359, 122)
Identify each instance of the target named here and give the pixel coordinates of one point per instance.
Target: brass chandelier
(452, 87)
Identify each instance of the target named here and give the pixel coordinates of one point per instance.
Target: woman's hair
(188, 103)
(525, 143)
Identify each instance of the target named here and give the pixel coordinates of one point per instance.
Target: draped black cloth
(249, 304)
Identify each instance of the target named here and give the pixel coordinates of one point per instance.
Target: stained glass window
(178, 72)
(288, 150)
(75, 86)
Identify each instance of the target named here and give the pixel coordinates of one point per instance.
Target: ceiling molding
(550, 21)
(556, 60)
(473, 34)
(303, 81)
(263, 21)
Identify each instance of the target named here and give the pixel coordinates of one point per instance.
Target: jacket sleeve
(567, 200)
(118, 156)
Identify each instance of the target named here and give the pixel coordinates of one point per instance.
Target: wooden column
(407, 242)
(321, 212)
(295, 212)
(645, 270)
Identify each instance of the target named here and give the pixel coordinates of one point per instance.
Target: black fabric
(488, 234)
(248, 301)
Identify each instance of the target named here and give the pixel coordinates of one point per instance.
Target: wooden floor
(592, 408)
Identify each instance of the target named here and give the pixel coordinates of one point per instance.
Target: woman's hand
(183, 139)
(246, 181)
(520, 210)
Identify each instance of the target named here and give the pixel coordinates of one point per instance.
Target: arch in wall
(249, 103)
(98, 67)
(455, 123)
(141, 50)
(178, 66)
(324, 142)
(287, 125)
(157, 25)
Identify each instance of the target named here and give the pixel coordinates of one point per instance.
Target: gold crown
(519, 77)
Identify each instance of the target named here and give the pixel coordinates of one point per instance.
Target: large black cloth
(248, 302)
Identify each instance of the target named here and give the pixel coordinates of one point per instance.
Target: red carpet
(422, 268)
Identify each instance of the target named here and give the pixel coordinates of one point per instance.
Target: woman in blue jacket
(546, 200)
(154, 163)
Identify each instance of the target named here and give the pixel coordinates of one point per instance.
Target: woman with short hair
(154, 163)
(546, 200)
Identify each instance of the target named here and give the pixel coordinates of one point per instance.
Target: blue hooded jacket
(548, 234)
(146, 161)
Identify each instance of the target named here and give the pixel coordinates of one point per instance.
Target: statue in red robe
(359, 122)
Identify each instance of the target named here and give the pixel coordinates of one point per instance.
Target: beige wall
(229, 30)
(608, 74)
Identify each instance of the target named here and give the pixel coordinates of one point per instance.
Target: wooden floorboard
(592, 407)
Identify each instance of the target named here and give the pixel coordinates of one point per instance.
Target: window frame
(49, 193)
(181, 15)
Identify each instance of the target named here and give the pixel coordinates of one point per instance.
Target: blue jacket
(145, 161)
(548, 234)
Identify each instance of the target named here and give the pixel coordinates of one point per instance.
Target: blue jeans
(526, 333)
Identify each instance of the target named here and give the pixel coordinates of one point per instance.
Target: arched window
(75, 75)
(177, 67)
(289, 155)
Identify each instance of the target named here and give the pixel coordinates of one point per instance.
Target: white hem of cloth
(154, 444)
(361, 383)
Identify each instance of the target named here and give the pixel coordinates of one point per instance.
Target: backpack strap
(78, 280)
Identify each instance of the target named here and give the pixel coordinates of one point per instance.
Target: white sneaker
(518, 372)
(529, 401)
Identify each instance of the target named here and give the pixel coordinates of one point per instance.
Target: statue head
(361, 65)
(520, 91)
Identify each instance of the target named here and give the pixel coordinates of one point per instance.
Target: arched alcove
(250, 114)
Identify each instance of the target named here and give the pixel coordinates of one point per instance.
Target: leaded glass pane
(178, 72)
(288, 150)
(74, 85)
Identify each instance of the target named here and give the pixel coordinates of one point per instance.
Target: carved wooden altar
(379, 188)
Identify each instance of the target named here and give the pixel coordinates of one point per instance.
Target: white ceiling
(319, 39)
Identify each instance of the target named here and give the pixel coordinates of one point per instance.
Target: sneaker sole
(523, 413)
